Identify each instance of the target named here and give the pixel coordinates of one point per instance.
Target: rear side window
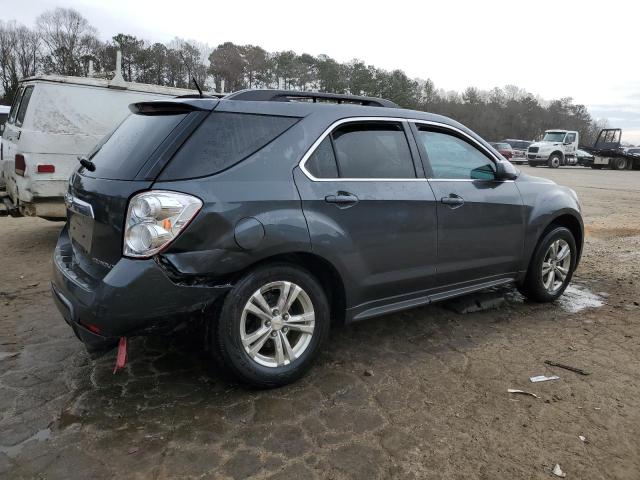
(24, 104)
(121, 155)
(373, 150)
(322, 163)
(223, 140)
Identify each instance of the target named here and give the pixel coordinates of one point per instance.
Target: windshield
(554, 137)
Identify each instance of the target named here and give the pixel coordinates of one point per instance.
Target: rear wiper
(86, 163)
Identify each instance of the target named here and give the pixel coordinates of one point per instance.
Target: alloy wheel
(555, 266)
(277, 324)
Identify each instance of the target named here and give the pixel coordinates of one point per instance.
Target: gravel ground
(420, 394)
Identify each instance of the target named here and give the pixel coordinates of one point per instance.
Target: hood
(545, 144)
(531, 179)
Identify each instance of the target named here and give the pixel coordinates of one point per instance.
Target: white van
(53, 120)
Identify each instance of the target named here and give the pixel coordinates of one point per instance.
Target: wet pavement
(419, 394)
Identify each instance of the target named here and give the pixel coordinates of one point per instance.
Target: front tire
(554, 161)
(551, 267)
(271, 326)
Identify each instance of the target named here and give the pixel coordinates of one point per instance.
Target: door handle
(453, 200)
(341, 199)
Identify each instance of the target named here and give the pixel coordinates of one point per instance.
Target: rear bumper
(135, 297)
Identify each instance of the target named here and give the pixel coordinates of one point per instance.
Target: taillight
(46, 168)
(155, 219)
(20, 164)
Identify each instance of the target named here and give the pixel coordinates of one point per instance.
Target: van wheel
(554, 161)
(272, 325)
(551, 267)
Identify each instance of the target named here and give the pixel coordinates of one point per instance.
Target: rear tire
(549, 275)
(289, 344)
(554, 161)
(619, 164)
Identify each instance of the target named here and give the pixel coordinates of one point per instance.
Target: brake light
(155, 219)
(20, 164)
(46, 168)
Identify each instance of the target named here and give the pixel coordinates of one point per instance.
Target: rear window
(223, 140)
(121, 155)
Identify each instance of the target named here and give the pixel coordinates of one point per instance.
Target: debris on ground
(368, 373)
(543, 378)
(567, 367)
(557, 471)
(132, 450)
(583, 439)
(522, 392)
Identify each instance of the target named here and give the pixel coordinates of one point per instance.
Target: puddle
(576, 298)
(13, 451)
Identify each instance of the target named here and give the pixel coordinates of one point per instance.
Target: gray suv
(266, 214)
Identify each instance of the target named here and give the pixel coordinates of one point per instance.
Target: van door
(370, 214)
(10, 138)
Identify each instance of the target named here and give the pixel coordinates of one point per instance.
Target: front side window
(22, 110)
(14, 106)
(571, 137)
(451, 157)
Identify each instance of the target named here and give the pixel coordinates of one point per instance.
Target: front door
(480, 219)
(371, 212)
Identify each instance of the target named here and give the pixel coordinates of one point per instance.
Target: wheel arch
(573, 224)
(323, 270)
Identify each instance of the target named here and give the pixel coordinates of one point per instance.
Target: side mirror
(506, 171)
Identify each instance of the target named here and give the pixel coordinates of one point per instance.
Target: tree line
(63, 42)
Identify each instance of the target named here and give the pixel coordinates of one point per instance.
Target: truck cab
(557, 148)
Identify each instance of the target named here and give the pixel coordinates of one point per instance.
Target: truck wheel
(554, 161)
(551, 267)
(619, 164)
(272, 325)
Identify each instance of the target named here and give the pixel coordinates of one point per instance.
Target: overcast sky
(581, 49)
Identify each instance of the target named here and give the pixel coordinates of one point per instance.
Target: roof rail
(267, 95)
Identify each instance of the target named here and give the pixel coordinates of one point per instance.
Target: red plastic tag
(121, 358)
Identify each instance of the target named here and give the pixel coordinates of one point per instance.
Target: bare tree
(8, 63)
(68, 37)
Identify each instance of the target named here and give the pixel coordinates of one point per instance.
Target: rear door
(480, 219)
(369, 209)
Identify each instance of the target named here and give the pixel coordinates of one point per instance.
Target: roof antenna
(197, 86)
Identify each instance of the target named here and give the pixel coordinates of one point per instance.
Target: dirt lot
(435, 406)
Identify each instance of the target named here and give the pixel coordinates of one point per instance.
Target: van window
(223, 140)
(14, 106)
(373, 150)
(124, 153)
(24, 104)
